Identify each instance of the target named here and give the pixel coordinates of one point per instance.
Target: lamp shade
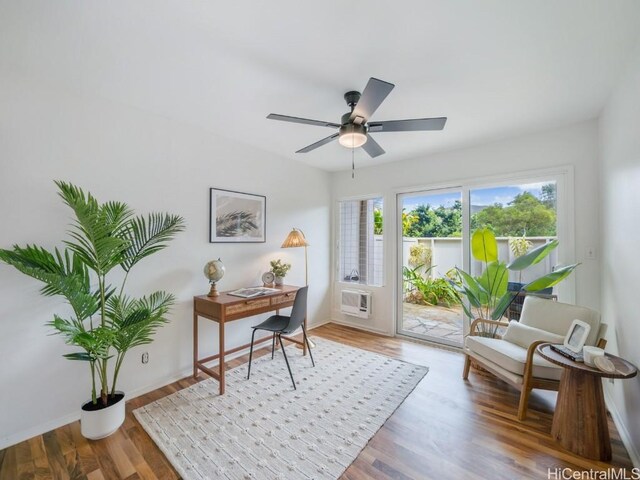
(295, 239)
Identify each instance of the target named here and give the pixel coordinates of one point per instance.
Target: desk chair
(279, 324)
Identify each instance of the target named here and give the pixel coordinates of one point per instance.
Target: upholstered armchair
(512, 357)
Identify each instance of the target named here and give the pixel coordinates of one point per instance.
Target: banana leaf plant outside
(487, 295)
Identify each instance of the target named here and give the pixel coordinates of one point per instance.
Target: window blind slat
(361, 250)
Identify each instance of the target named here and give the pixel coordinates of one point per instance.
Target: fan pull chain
(353, 163)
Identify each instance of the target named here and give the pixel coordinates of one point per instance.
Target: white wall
(620, 150)
(153, 164)
(575, 145)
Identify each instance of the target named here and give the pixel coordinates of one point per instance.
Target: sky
(480, 197)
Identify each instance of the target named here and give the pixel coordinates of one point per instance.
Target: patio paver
(434, 321)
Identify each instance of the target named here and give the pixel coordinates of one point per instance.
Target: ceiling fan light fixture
(352, 136)
(354, 126)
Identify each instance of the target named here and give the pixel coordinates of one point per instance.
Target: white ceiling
(495, 68)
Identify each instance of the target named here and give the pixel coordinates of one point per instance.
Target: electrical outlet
(145, 357)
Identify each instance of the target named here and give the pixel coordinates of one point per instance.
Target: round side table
(580, 419)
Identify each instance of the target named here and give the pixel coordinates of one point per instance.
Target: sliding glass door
(431, 249)
(434, 231)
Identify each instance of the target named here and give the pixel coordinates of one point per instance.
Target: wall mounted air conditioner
(356, 303)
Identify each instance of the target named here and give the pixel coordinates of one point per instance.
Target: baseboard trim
(360, 327)
(622, 429)
(318, 324)
(72, 417)
(39, 430)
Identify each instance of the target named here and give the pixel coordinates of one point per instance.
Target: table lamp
(296, 239)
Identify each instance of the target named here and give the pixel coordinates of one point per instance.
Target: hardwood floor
(446, 429)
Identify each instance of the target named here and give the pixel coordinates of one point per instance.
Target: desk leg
(221, 366)
(580, 420)
(195, 344)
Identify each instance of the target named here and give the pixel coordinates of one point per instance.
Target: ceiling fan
(354, 127)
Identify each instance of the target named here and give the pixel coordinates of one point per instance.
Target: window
(361, 244)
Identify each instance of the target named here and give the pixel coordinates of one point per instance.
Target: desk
(580, 418)
(227, 308)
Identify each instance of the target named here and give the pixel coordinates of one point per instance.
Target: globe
(214, 271)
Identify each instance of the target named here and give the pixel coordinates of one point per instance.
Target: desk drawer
(284, 298)
(246, 306)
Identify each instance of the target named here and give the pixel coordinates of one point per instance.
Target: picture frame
(237, 217)
(577, 335)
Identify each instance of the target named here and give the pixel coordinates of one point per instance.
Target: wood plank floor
(446, 429)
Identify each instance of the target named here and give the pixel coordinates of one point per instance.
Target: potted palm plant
(488, 295)
(106, 322)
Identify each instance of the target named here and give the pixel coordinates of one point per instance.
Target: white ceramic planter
(279, 281)
(102, 423)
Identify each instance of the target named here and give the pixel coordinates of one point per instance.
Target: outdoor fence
(446, 253)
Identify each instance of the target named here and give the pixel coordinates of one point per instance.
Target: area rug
(263, 429)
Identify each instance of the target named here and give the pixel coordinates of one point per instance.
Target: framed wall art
(236, 217)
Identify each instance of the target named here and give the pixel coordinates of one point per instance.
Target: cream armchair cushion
(525, 335)
(556, 317)
(512, 358)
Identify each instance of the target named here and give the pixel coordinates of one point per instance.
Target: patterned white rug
(263, 429)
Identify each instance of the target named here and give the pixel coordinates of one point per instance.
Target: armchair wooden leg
(467, 366)
(527, 380)
(524, 402)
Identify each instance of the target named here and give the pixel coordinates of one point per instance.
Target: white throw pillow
(524, 335)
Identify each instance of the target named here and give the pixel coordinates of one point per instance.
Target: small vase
(279, 280)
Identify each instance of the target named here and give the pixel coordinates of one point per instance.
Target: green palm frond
(97, 230)
(137, 320)
(158, 303)
(149, 235)
(63, 275)
(96, 342)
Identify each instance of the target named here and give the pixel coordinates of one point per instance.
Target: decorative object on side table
(236, 217)
(105, 322)
(214, 271)
(268, 279)
(280, 270)
(604, 364)
(590, 354)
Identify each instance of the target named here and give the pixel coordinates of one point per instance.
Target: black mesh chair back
(299, 310)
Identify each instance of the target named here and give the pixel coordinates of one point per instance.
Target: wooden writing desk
(227, 308)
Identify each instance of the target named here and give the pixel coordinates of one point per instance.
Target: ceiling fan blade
(319, 143)
(415, 125)
(372, 147)
(372, 96)
(306, 121)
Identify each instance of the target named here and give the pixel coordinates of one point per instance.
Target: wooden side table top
(624, 369)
